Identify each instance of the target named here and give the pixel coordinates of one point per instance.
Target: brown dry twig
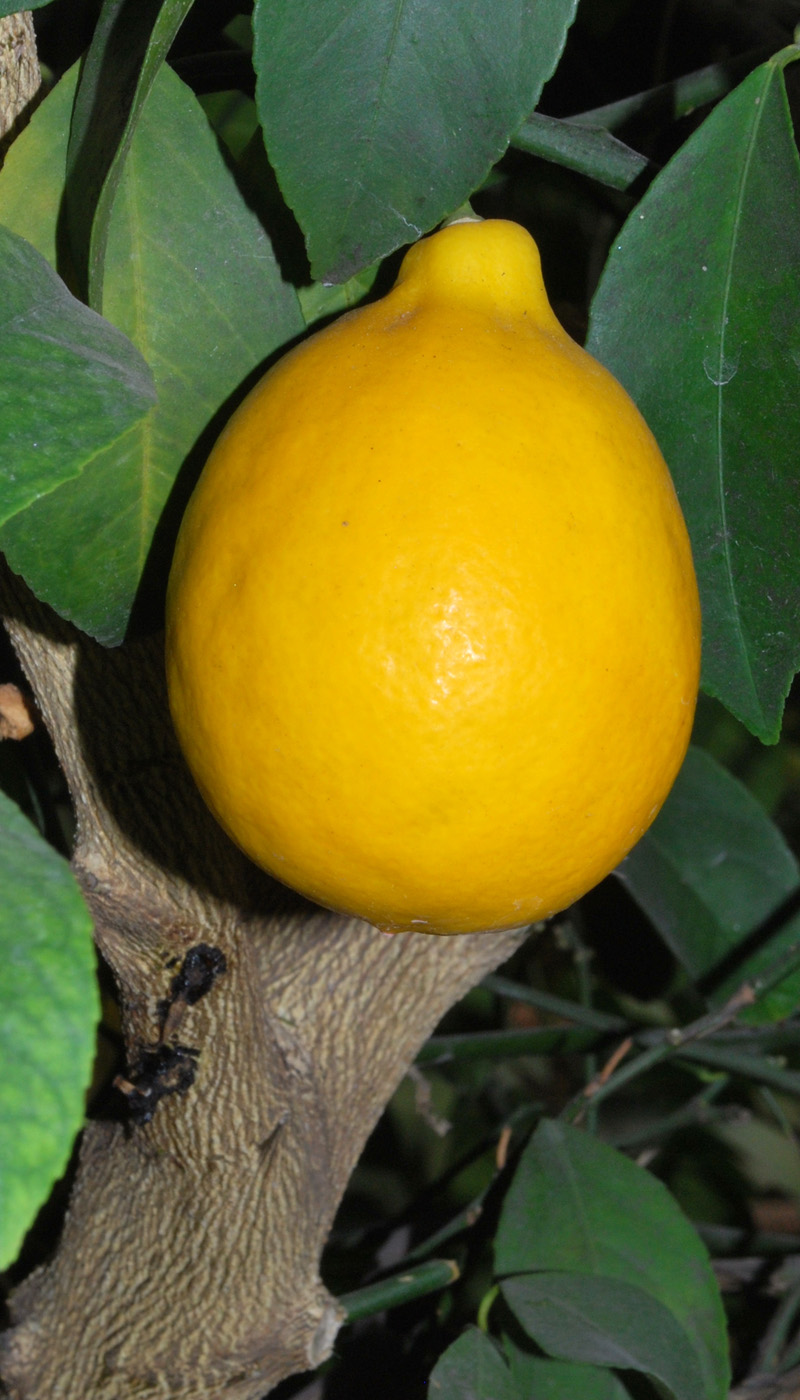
(608, 1068)
(503, 1143)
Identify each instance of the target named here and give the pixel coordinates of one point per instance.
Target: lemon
(433, 631)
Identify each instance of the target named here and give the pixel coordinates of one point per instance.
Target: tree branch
(189, 1261)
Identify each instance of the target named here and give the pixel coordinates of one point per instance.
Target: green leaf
(318, 301)
(382, 116)
(698, 314)
(593, 1233)
(710, 870)
(70, 383)
(206, 306)
(32, 177)
(129, 45)
(541, 1378)
(591, 151)
(49, 1006)
(11, 7)
(608, 1323)
(233, 117)
(472, 1369)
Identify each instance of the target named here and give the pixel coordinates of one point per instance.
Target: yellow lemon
(433, 631)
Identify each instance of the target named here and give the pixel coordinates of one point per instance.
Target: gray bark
(19, 72)
(189, 1262)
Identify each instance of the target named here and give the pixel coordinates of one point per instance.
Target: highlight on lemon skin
(433, 632)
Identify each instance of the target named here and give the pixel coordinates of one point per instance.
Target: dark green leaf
(709, 871)
(318, 300)
(206, 306)
(70, 383)
(698, 314)
(591, 151)
(577, 1207)
(472, 1369)
(541, 1378)
(48, 1011)
(130, 42)
(606, 1322)
(233, 117)
(380, 117)
(11, 7)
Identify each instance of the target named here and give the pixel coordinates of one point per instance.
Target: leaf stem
(587, 149)
(677, 98)
(575, 1011)
(732, 1240)
(773, 1343)
(392, 1292)
(697, 1110)
(494, 1045)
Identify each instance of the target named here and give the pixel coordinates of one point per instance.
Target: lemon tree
(470, 630)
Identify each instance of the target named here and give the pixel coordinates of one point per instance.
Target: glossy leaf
(608, 1323)
(698, 314)
(206, 307)
(11, 7)
(381, 118)
(709, 872)
(70, 383)
(541, 1378)
(48, 1010)
(592, 1233)
(472, 1369)
(129, 44)
(319, 301)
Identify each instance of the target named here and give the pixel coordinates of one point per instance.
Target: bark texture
(19, 72)
(189, 1262)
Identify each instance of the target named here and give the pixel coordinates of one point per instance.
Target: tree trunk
(19, 73)
(189, 1261)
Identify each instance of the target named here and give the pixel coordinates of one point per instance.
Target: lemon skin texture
(433, 633)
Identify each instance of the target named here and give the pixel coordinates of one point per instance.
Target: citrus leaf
(49, 1006)
(319, 301)
(11, 7)
(608, 1323)
(698, 314)
(70, 383)
(382, 116)
(711, 869)
(545, 1379)
(472, 1369)
(32, 177)
(129, 44)
(579, 1214)
(207, 305)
